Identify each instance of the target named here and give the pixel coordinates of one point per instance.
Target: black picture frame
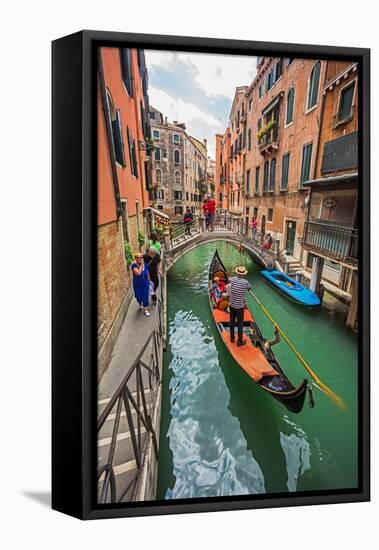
(74, 274)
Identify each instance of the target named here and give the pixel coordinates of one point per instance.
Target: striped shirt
(236, 291)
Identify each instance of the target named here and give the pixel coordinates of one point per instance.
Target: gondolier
(236, 291)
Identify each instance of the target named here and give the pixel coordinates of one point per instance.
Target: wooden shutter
(117, 138)
(272, 174)
(126, 69)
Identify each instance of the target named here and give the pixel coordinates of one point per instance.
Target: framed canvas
(210, 274)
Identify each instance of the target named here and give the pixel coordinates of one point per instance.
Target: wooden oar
(337, 400)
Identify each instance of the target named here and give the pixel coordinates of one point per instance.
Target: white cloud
(200, 124)
(215, 74)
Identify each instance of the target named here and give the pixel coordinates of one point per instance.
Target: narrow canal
(220, 433)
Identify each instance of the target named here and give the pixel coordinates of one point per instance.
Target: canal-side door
(290, 237)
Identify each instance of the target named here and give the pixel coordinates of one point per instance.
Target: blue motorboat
(291, 288)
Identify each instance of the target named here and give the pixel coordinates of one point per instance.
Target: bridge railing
(181, 231)
(132, 398)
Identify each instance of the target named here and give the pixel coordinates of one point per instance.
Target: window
(290, 105)
(132, 154)
(126, 69)
(152, 115)
(176, 156)
(178, 195)
(179, 210)
(290, 60)
(157, 154)
(260, 91)
(115, 122)
(306, 163)
(249, 140)
(272, 175)
(176, 138)
(161, 194)
(277, 70)
(248, 182)
(270, 214)
(164, 151)
(346, 102)
(285, 171)
(177, 177)
(257, 173)
(158, 175)
(314, 82)
(220, 197)
(259, 127)
(250, 104)
(156, 134)
(266, 172)
(255, 212)
(187, 196)
(269, 81)
(160, 206)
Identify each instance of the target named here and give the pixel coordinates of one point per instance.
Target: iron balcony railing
(334, 241)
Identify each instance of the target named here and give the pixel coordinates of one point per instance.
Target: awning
(157, 212)
(344, 178)
(272, 104)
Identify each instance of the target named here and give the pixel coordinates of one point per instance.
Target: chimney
(205, 143)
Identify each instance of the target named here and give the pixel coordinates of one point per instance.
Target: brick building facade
(283, 113)
(123, 178)
(222, 183)
(237, 125)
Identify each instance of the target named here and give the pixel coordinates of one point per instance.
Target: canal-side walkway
(126, 438)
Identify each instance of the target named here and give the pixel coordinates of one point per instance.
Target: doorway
(290, 237)
(263, 225)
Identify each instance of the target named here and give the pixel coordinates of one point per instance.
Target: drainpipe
(105, 107)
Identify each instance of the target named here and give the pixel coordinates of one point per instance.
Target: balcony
(269, 142)
(335, 242)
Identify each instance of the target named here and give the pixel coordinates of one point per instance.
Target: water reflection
(210, 455)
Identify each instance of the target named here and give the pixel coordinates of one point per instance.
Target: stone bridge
(179, 241)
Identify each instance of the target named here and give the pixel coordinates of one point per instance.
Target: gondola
(256, 358)
(290, 288)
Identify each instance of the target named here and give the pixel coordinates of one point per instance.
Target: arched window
(290, 105)
(158, 175)
(177, 156)
(177, 177)
(314, 83)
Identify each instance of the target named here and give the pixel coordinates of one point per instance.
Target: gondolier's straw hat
(241, 270)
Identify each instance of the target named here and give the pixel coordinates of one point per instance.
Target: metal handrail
(124, 399)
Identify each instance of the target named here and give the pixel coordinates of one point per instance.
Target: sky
(197, 89)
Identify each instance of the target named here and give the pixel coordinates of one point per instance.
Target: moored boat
(256, 358)
(290, 288)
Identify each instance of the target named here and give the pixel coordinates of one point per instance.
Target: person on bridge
(268, 242)
(206, 213)
(211, 211)
(141, 283)
(152, 259)
(187, 220)
(236, 291)
(254, 226)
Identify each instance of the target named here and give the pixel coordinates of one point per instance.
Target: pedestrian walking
(206, 213)
(254, 226)
(187, 220)
(268, 242)
(154, 242)
(141, 283)
(152, 259)
(211, 211)
(236, 289)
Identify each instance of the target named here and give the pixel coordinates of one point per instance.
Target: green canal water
(220, 433)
